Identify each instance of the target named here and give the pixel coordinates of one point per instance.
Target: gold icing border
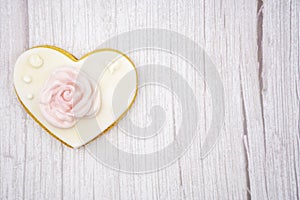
(73, 58)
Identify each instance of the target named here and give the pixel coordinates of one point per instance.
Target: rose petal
(69, 95)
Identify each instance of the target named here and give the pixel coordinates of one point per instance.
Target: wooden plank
(13, 157)
(280, 91)
(222, 173)
(253, 119)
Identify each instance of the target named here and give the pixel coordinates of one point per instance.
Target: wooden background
(255, 46)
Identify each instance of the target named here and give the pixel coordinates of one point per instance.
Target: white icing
(85, 130)
(27, 79)
(112, 67)
(35, 61)
(29, 96)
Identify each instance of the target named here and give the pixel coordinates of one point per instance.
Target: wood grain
(13, 159)
(255, 47)
(280, 92)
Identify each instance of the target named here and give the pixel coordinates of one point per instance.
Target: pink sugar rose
(68, 96)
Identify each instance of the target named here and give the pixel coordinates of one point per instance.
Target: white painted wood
(280, 91)
(13, 157)
(256, 51)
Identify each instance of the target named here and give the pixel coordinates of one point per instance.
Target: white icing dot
(27, 79)
(29, 96)
(35, 61)
(113, 67)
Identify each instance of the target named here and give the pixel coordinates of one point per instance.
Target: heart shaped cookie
(75, 100)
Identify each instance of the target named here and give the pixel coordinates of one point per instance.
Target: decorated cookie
(75, 100)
